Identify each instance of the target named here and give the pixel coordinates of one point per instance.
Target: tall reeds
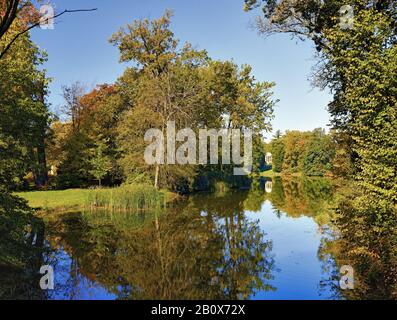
(127, 198)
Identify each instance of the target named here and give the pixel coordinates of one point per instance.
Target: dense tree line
(310, 153)
(103, 140)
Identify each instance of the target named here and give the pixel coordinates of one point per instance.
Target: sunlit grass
(122, 198)
(56, 199)
(268, 174)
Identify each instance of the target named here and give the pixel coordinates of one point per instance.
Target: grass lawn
(56, 199)
(78, 198)
(272, 174)
(269, 174)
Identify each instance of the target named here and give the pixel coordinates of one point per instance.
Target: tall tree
(277, 147)
(25, 115)
(166, 79)
(73, 108)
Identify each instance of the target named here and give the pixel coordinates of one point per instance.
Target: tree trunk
(41, 176)
(156, 177)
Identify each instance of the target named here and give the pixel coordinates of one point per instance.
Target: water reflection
(198, 249)
(21, 250)
(275, 241)
(369, 246)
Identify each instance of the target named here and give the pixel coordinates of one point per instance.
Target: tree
(364, 103)
(319, 154)
(73, 108)
(150, 44)
(101, 164)
(307, 19)
(359, 64)
(278, 152)
(167, 78)
(365, 61)
(25, 116)
(9, 11)
(295, 146)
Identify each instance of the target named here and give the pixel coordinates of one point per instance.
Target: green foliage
(180, 84)
(295, 146)
(56, 200)
(364, 61)
(224, 254)
(309, 153)
(24, 114)
(151, 44)
(359, 64)
(21, 249)
(75, 168)
(277, 148)
(101, 164)
(319, 154)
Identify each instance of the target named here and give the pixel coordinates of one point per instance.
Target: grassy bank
(128, 197)
(269, 174)
(272, 174)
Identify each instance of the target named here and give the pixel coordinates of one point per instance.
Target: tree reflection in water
(198, 249)
(367, 241)
(21, 250)
(204, 247)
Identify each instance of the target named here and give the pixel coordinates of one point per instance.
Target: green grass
(269, 174)
(126, 198)
(272, 174)
(56, 199)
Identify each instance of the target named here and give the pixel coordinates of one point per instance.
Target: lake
(275, 241)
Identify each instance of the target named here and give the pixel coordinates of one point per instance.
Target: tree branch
(38, 24)
(9, 16)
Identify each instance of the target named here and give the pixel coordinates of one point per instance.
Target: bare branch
(38, 24)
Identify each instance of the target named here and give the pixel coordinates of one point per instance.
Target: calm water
(272, 242)
(268, 243)
(275, 241)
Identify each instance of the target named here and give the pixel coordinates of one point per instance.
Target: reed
(127, 198)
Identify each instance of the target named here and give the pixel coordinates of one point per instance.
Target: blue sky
(79, 50)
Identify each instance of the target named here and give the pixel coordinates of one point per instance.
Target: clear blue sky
(78, 50)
